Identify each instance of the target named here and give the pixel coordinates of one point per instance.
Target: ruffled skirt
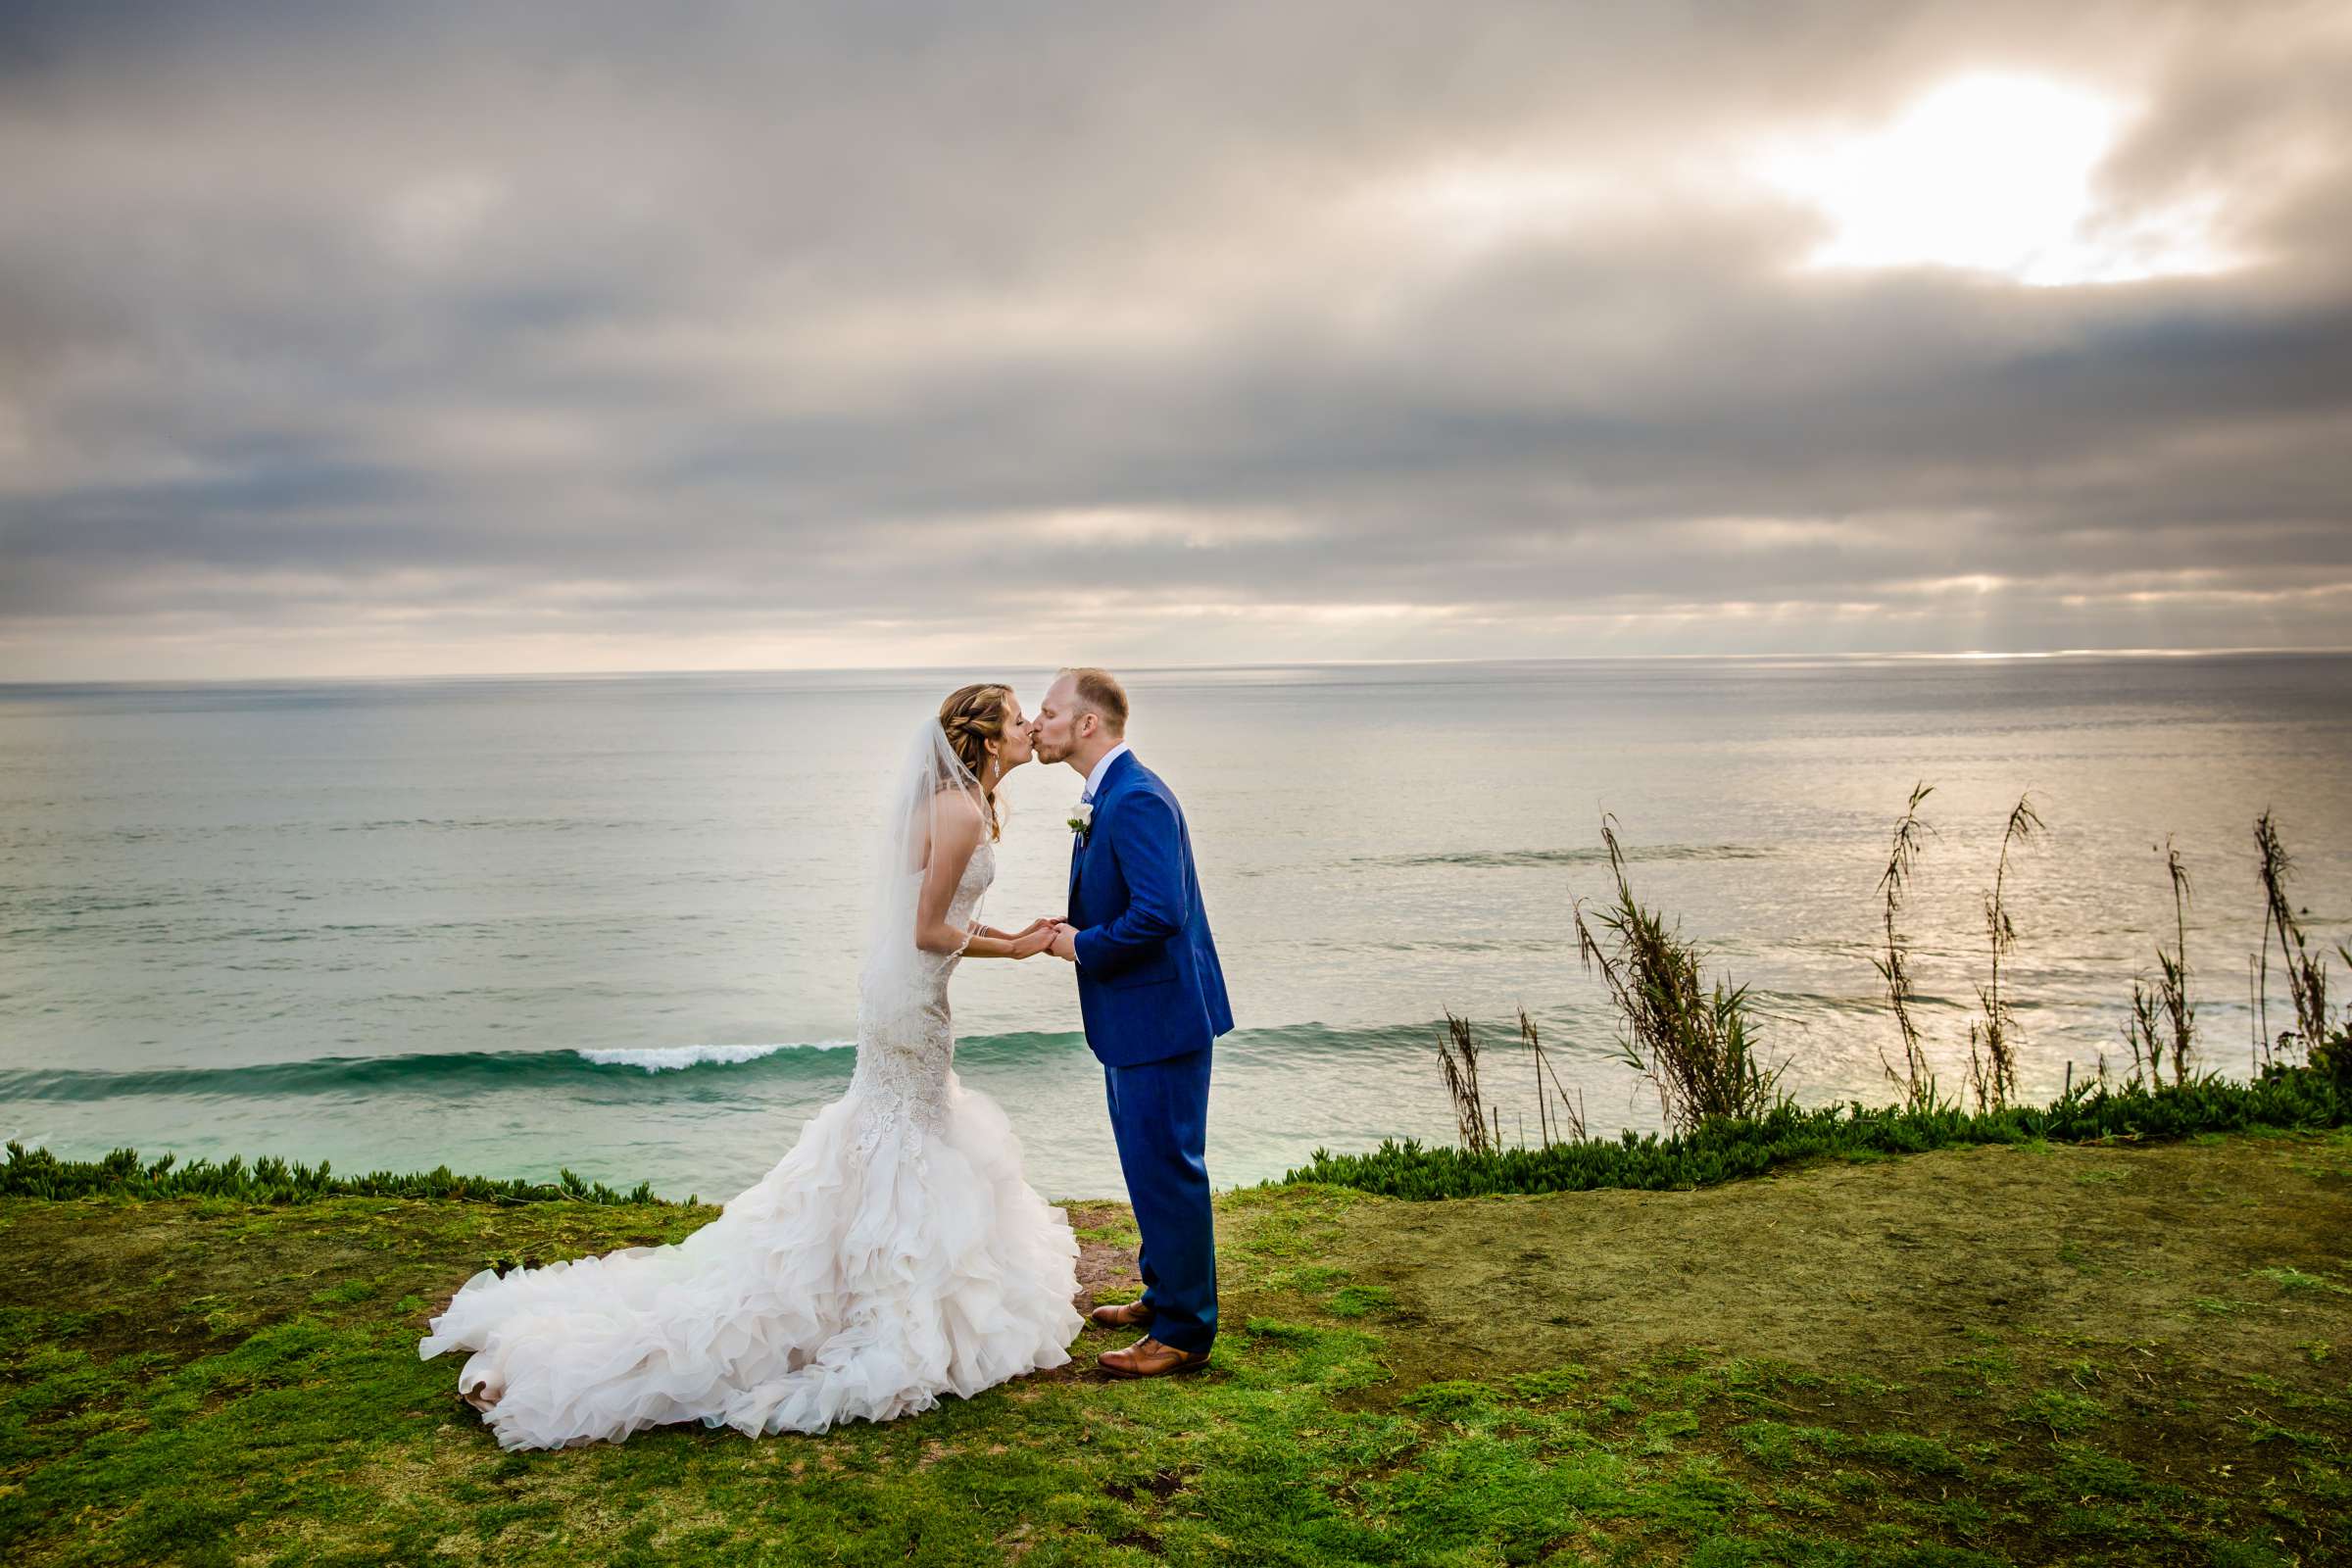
(839, 1287)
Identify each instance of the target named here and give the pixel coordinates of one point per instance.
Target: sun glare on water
(1993, 174)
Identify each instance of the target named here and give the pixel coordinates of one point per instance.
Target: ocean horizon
(508, 922)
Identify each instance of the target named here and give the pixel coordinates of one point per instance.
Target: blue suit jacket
(1148, 983)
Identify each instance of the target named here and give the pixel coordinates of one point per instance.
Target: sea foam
(672, 1058)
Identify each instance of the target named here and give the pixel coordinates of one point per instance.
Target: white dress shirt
(1094, 781)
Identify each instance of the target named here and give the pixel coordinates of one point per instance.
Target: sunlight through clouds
(1995, 174)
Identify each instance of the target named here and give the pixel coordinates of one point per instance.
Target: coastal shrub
(2333, 1057)
(38, 1173)
(1724, 1149)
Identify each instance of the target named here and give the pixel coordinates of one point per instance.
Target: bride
(895, 1254)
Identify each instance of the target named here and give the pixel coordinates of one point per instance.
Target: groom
(1152, 998)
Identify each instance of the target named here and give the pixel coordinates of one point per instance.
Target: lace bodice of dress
(907, 1042)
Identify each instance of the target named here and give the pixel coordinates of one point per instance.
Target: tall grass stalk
(1480, 1122)
(1991, 1041)
(1567, 1123)
(1458, 1054)
(2168, 1003)
(2177, 1006)
(2306, 980)
(2254, 1018)
(1916, 1081)
(1693, 1044)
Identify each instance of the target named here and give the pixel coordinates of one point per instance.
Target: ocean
(511, 925)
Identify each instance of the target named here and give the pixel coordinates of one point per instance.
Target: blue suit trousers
(1160, 1116)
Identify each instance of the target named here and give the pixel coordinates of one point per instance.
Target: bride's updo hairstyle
(971, 717)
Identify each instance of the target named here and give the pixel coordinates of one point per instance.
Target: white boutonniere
(1082, 819)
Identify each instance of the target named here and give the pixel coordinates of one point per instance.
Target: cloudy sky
(412, 339)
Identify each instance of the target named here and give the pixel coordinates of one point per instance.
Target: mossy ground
(1995, 1354)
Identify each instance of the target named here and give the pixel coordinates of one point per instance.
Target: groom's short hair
(1101, 691)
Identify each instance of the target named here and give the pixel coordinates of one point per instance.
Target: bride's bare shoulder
(953, 807)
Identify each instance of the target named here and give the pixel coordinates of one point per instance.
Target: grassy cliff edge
(2023, 1351)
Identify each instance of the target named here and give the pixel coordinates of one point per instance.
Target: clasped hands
(1046, 934)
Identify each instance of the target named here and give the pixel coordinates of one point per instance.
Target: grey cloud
(648, 317)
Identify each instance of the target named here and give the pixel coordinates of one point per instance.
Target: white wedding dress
(893, 1255)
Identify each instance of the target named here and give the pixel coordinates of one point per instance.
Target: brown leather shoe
(1122, 1315)
(1146, 1357)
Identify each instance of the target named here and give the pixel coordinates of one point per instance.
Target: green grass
(1886, 1364)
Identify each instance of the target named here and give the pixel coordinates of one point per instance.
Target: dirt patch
(1104, 1265)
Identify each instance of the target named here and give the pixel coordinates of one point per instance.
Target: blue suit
(1153, 1000)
